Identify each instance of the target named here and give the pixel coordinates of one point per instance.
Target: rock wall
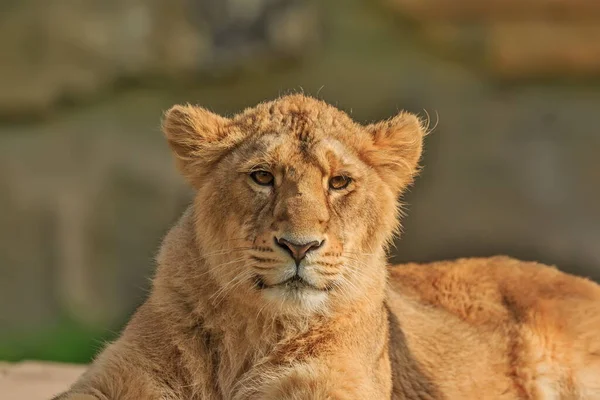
(513, 39)
(76, 199)
(71, 50)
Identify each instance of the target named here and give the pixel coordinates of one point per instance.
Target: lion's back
(486, 290)
(546, 322)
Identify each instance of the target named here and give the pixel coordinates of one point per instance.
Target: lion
(274, 283)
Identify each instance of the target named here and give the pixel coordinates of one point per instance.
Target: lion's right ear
(196, 137)
(397, 147)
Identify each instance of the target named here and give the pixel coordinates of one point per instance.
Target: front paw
(302, 382)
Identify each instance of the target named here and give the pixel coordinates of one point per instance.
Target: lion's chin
(293, 299)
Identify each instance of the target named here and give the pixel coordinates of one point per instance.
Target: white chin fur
(290, 300)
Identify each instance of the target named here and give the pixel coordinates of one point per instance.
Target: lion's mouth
(294, 283)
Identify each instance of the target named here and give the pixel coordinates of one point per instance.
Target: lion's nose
(296, 250)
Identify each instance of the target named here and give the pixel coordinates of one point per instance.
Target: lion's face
(295, 202)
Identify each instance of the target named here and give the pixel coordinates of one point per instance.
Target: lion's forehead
(305, 118)
(297, 157)
(299, 134)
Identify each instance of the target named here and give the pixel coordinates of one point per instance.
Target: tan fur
(218, 326)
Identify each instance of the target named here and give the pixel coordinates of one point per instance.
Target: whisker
(220, 294)
(234, 239)
(217, 267)
(263, 249)
(327, 273)
(357, 253)
(262, 259)
(262, 267)
(326, 264)
(241, 279)
(224, 251)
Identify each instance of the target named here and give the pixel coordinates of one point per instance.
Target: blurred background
(88, 188)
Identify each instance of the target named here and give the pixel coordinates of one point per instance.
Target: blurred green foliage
(66, 341)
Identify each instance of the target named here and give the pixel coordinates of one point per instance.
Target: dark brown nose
(298, 251)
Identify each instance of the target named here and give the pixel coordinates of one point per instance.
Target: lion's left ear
(397, 148)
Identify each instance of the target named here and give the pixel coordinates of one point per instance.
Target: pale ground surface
(35, 380)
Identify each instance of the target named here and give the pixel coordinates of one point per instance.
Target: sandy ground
(34, 380)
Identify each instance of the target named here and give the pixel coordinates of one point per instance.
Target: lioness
(274, 283)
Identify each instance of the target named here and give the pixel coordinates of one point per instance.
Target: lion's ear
(196, 137)
(397, 147)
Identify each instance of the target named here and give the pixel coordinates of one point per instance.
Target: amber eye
(339, 182)
(263, 178)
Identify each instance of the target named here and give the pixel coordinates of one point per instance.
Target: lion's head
(295, 202)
